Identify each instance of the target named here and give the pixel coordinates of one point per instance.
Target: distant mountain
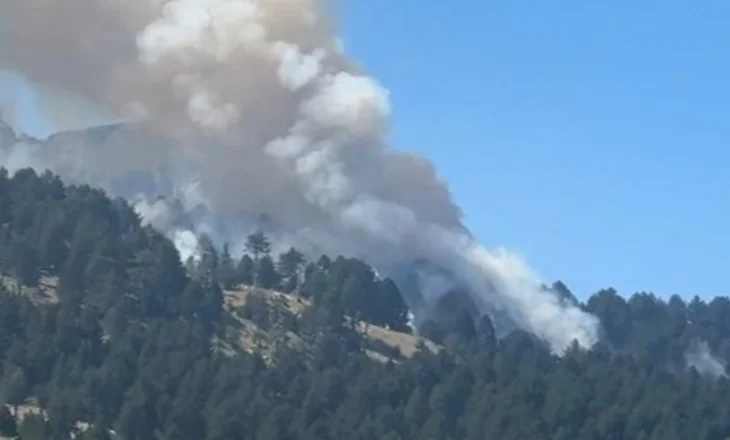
(102, 156)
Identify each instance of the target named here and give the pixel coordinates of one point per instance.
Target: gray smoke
(244, 108)
(700, 357)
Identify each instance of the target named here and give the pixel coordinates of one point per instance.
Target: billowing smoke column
(249, 107)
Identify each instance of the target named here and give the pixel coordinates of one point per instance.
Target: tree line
(346, 286)
(130, 350)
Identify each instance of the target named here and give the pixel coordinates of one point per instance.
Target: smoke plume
(249, 114)
(700, 357)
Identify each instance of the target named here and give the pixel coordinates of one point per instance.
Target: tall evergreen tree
(266, 274)
(258, 245)
(206, 271)
(226, 268)
(290, 268)
(246, 271)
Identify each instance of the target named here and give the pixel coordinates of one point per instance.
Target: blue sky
(591, 137)
(20, 104)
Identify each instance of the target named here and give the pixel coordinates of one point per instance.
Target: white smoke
(21, 155)
(186, 243)
(700, 357)
(250, 107)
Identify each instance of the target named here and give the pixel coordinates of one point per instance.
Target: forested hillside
(105, 334)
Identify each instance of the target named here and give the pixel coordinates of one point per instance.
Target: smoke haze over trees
(249, 115)
(129, 344)
(240, 255)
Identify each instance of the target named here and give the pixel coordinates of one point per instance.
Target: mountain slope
(139, 345)
(382, 344)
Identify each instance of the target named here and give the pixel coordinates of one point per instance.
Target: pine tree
(246, 271)
(207, 266)
(266, 274)
(258, 245)
(394, 309)
(226, 268)
(290, 266)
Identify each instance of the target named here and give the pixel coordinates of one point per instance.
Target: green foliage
(245, 271)
(266, 275)
(258, 245)
(226, 270)
(290, 268)
(132, 346)
(349, 286)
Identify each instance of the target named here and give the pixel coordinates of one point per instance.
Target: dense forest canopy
(109, 335)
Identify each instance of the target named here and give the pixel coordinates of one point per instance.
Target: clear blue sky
(591, 137)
